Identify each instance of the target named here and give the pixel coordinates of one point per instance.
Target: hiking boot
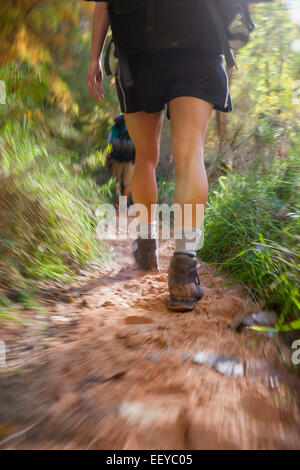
(145, 253)
(184, 282)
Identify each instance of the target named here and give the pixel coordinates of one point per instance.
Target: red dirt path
(111, 368)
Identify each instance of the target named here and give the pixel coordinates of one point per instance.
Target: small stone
(154, 357)
(136, 412)
(263, 318)
(60, 319)
(226, 365)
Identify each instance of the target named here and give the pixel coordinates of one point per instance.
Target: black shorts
(158, 78)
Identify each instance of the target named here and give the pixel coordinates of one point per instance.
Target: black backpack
(155, 25)
(233, 24)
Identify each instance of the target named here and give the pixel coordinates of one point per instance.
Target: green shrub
(252, 229)
(47, 226)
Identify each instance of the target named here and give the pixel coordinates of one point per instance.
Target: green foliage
(48, 195)
(268, 67)
(165, 191)
(252, 220)
(52, 146)
(265, 93)
(252, 229)
(47, 222)
(292, 326)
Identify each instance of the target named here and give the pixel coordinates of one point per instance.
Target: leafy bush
(252, 229)
(47, 222)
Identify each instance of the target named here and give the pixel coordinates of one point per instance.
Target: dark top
(207, 38)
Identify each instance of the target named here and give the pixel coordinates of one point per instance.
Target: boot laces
(197, 278)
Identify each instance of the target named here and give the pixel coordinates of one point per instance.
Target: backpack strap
(222, 34)
(123, 62)
(123, 59)
(107, 67)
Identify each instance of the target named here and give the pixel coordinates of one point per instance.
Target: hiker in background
(170, 53)
(121, 158)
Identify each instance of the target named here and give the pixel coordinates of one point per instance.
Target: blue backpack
(122, 145)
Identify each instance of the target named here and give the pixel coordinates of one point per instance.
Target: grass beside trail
(48, 195)
(252, 229)
(47, 213)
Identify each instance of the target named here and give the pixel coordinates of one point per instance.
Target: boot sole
(183, 305)
(149, 270)
(146, 267)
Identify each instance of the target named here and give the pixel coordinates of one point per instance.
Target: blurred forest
(52, 142)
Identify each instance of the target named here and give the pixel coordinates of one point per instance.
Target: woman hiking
(190, 78)
(121, 158)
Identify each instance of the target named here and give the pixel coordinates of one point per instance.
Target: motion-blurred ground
(112, 368)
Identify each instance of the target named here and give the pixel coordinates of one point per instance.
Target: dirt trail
(112, 369)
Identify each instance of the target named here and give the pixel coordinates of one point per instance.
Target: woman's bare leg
(189, 122)
(144, 130)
